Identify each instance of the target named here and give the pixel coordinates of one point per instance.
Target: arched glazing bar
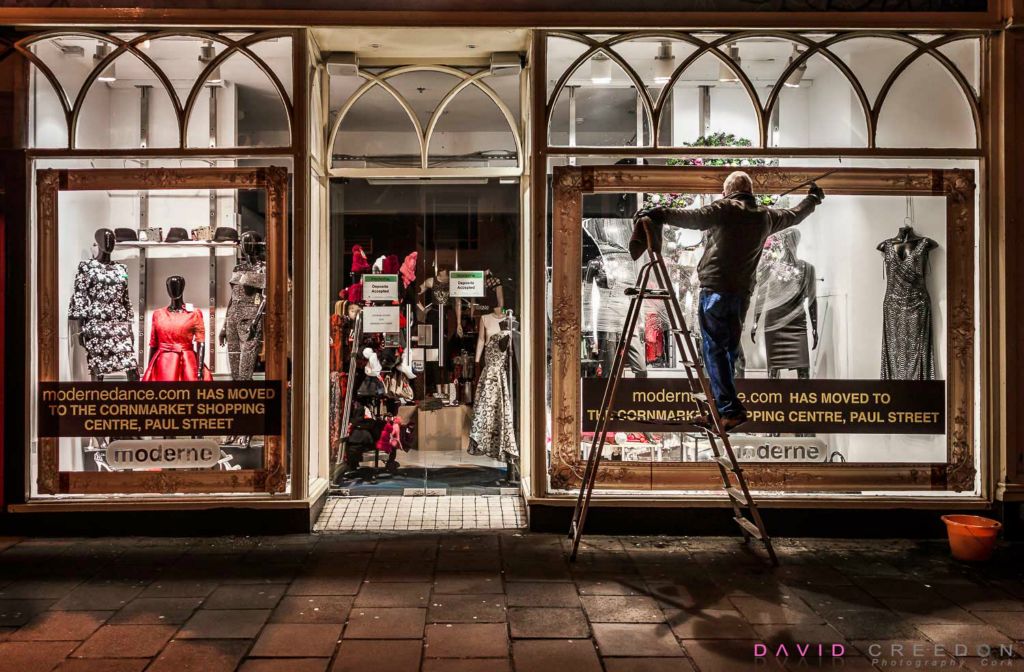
(424, 135)
(654, 109)
(182, 112)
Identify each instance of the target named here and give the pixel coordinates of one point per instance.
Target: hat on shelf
(225, 234)
(176, 234)
(122, 235)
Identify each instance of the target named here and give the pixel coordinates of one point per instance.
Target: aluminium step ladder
(733, 480)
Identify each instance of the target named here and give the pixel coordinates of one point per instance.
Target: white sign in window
(380, 319)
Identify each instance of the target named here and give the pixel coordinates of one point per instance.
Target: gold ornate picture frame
(273, 477)
(570, 184)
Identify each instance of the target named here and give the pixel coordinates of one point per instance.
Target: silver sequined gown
(493, 432)
(906, 314)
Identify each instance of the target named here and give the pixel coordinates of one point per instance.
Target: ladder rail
(738, 494)
(604, 418)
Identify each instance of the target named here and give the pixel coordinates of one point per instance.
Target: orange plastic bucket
(971, 538)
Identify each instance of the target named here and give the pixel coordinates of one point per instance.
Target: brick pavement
(498, 602)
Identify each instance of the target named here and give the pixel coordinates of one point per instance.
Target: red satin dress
(173, 334)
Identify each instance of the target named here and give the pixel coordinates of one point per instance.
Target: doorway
(425, 159)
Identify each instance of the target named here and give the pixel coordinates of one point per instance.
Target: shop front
(268, 268)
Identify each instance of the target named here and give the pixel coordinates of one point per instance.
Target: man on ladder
(735, 229)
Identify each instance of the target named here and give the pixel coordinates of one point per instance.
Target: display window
(855, 359)
(159, 257)
(159, 363)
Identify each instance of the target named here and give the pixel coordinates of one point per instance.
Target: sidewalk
(500, 602)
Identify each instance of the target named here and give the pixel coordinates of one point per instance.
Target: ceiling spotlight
(109, 74)
(207, 53)
(795, 77)
(725, 73)
(600, 69)
(664, 63)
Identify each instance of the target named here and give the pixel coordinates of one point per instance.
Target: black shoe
(733, 421)
(705, 423)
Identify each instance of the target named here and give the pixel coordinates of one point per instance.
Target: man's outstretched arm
(699, 219)
(783, 218)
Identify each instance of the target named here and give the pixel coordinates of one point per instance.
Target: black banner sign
(780, 406)
(135, 409)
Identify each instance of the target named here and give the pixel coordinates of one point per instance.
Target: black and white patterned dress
(100, 304)
(493, 432)
(906, 314)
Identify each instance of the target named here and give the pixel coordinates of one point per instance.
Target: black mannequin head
(251, 244)
(105, 241)
(176, 290)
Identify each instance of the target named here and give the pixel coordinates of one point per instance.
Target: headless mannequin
(802, 372)
(907, 238)
(250, 245)
(176, 290)
(105, 242)
(490, 324)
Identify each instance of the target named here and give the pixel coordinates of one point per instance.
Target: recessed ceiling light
(600, 69)
(725, 73)
(664, 63)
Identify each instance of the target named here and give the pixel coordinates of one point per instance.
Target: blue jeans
(721, 325)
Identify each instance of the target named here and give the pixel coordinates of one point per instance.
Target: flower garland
(719, 139)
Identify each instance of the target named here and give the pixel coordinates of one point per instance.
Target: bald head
(737, 181)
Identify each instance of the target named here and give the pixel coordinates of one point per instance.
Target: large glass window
(157, 361)
(824, 313)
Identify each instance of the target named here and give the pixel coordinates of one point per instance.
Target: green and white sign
(467, 284)
(380, 287)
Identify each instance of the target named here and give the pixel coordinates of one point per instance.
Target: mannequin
(785, 285)
(242, 331)
(492, 433)
(907, 240)
(176, 341)
(103, 311)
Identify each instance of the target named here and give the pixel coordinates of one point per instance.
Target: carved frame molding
(273, 477)
(958, 473)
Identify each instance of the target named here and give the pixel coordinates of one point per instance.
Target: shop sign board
(779, 406)
(778, 448)
(380, 319)
(380, 287)
(163, 454)
(467, 284)
(135, 408)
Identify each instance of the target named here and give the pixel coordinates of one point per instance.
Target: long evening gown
(906, 314)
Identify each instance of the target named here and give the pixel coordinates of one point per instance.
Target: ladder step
(650, 293)
(737, 495)
(749, 527)
(727, 463)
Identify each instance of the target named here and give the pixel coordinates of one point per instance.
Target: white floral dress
(100, 304)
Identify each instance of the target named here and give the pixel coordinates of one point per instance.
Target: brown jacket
(735, 230)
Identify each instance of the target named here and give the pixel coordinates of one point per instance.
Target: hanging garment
(248, 281)
(100, 304)
(408, 269)
(174, 334)
(337, 343)
(492, 432)
(654, 337)
(360, 264)
(906, 313)
(390, 264)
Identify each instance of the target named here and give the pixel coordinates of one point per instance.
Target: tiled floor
(486, 512)
(501, 601)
